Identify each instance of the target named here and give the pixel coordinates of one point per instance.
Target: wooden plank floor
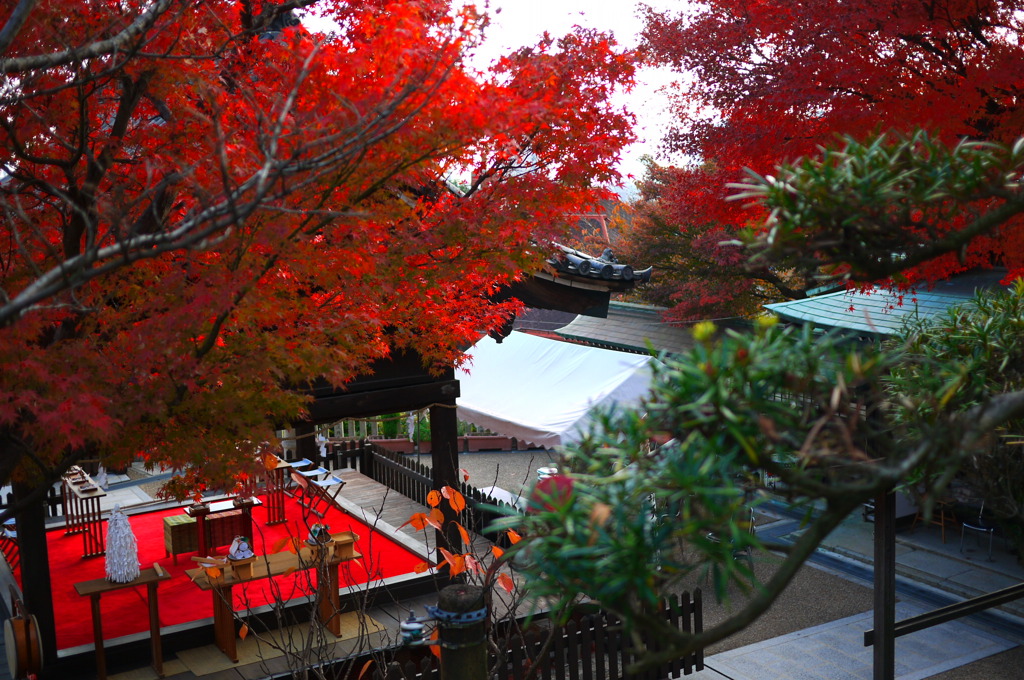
(378, 501)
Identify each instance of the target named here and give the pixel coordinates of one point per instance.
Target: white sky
(515, 23)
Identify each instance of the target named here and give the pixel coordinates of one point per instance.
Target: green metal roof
(881, 311)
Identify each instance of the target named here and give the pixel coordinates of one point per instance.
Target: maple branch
(142, 23)
(15, 22)
(205, 228)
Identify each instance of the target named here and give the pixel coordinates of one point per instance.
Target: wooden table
(267, 566)
(95, 589)
(214, 522)
(82, 512)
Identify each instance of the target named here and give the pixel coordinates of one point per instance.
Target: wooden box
(345, 545)
(242, 568)
(180, 535)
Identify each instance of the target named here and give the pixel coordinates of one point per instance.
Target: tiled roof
(629, 327)
(879, 311)
(534, 320)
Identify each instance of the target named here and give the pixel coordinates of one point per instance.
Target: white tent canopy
(540, 391)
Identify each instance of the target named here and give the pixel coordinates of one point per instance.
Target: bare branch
(134, 30)
(15, 22)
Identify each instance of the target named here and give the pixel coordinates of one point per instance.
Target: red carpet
(125, 611)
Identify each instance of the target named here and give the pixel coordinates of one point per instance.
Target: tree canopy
(205, 205)
(763, 83)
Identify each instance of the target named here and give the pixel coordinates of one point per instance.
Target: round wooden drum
(24, 651)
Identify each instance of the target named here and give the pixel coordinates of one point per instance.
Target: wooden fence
(589, 647)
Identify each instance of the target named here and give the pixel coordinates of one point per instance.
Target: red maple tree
(770, 81)
(204, 203)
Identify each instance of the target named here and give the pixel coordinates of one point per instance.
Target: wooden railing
(400, 473)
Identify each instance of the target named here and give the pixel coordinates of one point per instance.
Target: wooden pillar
(199, 511)
(444, 457)
(885, 587)
(36, 592)
(461, 631)
(305, 442)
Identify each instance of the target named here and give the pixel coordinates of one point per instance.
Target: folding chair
(981, 526)
(292, 490)
(316, 497)
(314, 473)
(326, 484)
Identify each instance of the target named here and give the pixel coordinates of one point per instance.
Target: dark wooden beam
(341, 404)
(545, 293)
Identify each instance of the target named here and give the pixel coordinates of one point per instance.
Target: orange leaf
(465, 534)
(366, 667)
(279, 545)
(497, 552)
(474, 564)
(433, 499)
(506, 582)
(513, 536)
(438, 518)
(418, 521)
(243, 632)
(456, 562)
(421, 568)
(457, 501)
(435, 649)
(465, 474)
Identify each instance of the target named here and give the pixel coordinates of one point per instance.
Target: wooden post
(36, 592)
(305, 442)
(444, 456)
(461, 625)
(885, 587)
